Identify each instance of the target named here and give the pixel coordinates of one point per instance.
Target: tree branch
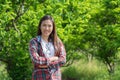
(19, 13)
(3, 60)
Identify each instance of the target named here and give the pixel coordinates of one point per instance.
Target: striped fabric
(38, 58)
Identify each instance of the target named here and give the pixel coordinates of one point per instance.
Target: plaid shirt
(38, 58)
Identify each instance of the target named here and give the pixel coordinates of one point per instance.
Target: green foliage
(86, 27)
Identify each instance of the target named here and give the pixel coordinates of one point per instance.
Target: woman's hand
(52, 59)
(43, 66)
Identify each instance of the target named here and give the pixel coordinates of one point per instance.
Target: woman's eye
(50, 26)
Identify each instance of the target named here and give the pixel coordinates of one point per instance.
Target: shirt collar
(39, 39)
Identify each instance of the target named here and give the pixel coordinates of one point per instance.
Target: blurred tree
(104, 33)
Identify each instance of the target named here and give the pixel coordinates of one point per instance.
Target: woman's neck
(45, 38)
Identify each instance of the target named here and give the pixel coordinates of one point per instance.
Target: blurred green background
(89, 29)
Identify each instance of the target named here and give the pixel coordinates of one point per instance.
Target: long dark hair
(53, 36)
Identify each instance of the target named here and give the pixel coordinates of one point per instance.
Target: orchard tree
(104, 33)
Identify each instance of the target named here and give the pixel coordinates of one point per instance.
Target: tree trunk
(90, 57)
(110, 66)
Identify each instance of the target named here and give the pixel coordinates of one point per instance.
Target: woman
(47, 51)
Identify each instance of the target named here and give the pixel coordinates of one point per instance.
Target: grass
(84, 70)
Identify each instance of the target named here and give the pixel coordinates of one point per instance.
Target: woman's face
(46, 28)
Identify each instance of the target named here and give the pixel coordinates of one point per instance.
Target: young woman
(47, 51)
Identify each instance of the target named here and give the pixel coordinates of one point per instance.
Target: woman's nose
(47, 28)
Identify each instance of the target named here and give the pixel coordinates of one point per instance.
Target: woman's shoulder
(59, 41)
(33, 40)
(36, 39)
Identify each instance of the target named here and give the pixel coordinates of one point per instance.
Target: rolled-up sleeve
(33, 49)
